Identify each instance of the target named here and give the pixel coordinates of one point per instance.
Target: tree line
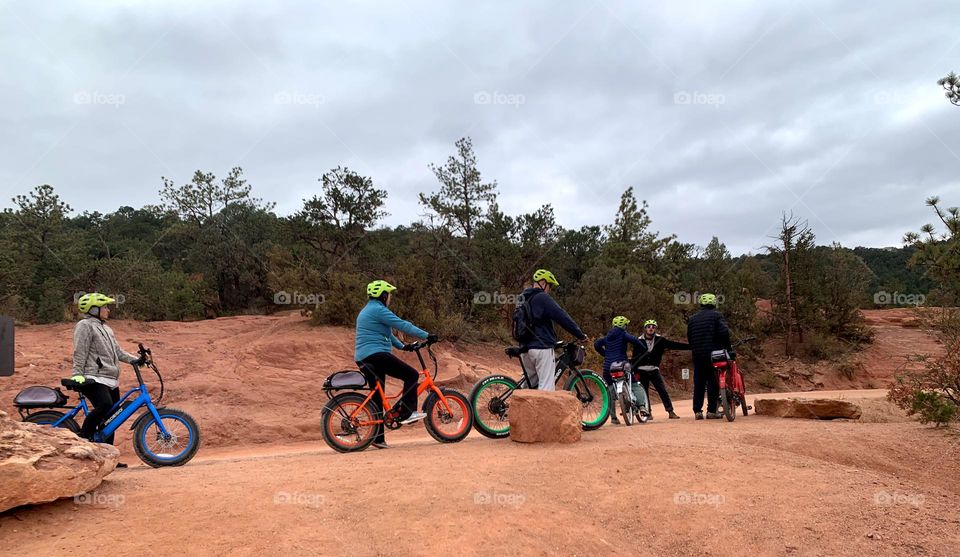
(211, 248)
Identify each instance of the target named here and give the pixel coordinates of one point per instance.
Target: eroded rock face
(544, 417)
(816, 409)
(39, 464)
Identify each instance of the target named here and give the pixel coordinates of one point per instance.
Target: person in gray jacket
(96, 361)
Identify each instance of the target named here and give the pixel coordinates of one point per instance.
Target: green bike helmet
(620, 321)
(708, 299)
(543, 274)
(93, 300)
(378, 287)
(650, 322)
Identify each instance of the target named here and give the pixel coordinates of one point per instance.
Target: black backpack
(522, 325)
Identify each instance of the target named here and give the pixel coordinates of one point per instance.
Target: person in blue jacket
(613, 348)
(375, 339)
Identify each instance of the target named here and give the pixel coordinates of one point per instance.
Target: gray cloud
(720, 115)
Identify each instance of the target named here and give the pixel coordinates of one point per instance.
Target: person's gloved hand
(432, 339)
(78, 379)
(139, 362)
(408, 347)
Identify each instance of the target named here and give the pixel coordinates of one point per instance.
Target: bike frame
(426, 384)
(562, 365)
(117, 418)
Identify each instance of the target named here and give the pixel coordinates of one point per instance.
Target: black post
(6, 346)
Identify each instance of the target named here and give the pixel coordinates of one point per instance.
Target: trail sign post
(6, 346)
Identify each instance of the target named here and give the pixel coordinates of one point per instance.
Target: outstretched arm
(388, 317)
(674, 345)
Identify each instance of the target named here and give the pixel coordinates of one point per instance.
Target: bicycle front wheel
(490, 403)
(448, 426)
(174, 449)
(591, 391)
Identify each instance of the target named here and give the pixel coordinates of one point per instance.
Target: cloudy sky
(721, 115)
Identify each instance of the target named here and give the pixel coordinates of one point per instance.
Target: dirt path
(757, 486)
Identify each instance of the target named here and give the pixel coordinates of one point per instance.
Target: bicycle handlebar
(743, 341)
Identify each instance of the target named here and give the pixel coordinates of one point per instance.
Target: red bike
(733, 393)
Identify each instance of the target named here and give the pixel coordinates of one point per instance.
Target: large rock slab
(545, 417)
(39, 464)
(813, 408)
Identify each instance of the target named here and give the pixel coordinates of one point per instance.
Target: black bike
(490, 397)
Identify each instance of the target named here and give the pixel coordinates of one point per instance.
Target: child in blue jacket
(613, 348)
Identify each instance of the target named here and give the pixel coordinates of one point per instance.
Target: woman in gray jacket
(96, 360)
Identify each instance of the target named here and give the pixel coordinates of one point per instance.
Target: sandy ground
(264, 482)
(757, 486)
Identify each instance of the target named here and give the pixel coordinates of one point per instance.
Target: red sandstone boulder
(544, 417)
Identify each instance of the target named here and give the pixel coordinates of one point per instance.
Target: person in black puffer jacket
(706, 331)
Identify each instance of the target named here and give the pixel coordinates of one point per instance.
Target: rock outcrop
(816, 408)
(39, 464)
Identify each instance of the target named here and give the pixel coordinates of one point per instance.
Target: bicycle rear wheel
(50, 417)
(726, 400)
(626, 407)
(342, 433)
(490, 403)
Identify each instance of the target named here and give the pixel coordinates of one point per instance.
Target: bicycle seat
(515, 351)
(71, 384)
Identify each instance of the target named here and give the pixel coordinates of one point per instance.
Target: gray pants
(541, 368)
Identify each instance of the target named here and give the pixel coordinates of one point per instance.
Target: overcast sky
(720, 114)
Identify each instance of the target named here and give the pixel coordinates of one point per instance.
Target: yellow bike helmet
(543, 274)
(378, 287)
(620, 321)
(708, 300)
(92, 300)
(650, 322)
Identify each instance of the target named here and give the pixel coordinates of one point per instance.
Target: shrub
(932, 407)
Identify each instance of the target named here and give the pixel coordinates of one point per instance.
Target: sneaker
(614, 419)
(674, 416)
(381, 445)
(698, 415)
(415, 417)
(650, 417)
(713, 416)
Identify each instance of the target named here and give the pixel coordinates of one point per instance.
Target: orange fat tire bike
(350, 420)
